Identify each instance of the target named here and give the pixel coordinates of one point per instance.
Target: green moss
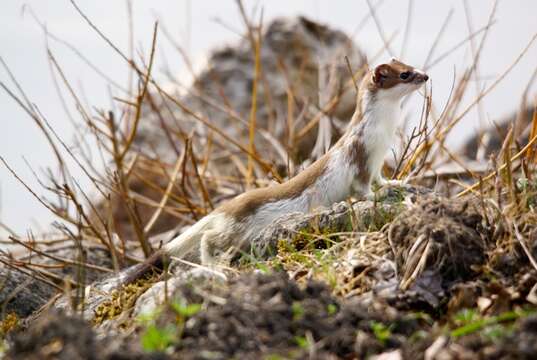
(8, 323)
(121, 300)
(298, 310)
(331, 309)
(312, 238)
(382, 332)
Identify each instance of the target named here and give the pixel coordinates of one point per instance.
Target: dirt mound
(57, 336)
(443, 235)
(270, 315)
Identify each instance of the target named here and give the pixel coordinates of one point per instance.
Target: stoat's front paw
(395, 182)
(383, 182)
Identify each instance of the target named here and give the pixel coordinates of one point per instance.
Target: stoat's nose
(420, 76)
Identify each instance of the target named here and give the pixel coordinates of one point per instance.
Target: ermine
(348, 168)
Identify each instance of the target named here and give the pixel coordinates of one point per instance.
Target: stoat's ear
(380, 73)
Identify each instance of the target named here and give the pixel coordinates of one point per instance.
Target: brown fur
(248, 202)
(358, 156)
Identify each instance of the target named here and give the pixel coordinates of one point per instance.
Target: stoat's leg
(370, 196)
(382, 181)
(208, 245)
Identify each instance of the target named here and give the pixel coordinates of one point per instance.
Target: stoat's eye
(404, 75)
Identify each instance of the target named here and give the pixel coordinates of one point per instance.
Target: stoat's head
(395, 79)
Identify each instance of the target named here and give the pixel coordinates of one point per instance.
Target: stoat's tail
(178, 247)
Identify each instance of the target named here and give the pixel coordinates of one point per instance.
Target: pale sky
(22, 47)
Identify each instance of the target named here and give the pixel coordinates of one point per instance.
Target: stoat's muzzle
(419, 77)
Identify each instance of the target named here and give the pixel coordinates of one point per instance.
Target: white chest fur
(381, 119)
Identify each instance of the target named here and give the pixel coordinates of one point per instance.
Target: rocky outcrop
(22, 292)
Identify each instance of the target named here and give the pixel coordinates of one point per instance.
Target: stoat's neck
(368, 139)
(374, 114)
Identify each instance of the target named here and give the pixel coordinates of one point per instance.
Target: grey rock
(21, 293)
(357, 216)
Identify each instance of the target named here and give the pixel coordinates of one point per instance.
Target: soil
(269, 316)
(57, 336)
(452, 232)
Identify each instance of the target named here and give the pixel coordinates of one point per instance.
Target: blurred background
(198, 26)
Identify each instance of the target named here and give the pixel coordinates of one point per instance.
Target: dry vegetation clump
(443, 235)
(444, 274)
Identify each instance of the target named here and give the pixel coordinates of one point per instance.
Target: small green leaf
(302, 342)
(155, 339)
(466, 316)
(148, 317)
(381, 331)
(298, 310)
(185, 310)
(469, 328)
(331, 309)
(262, 267)
(480, 323)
